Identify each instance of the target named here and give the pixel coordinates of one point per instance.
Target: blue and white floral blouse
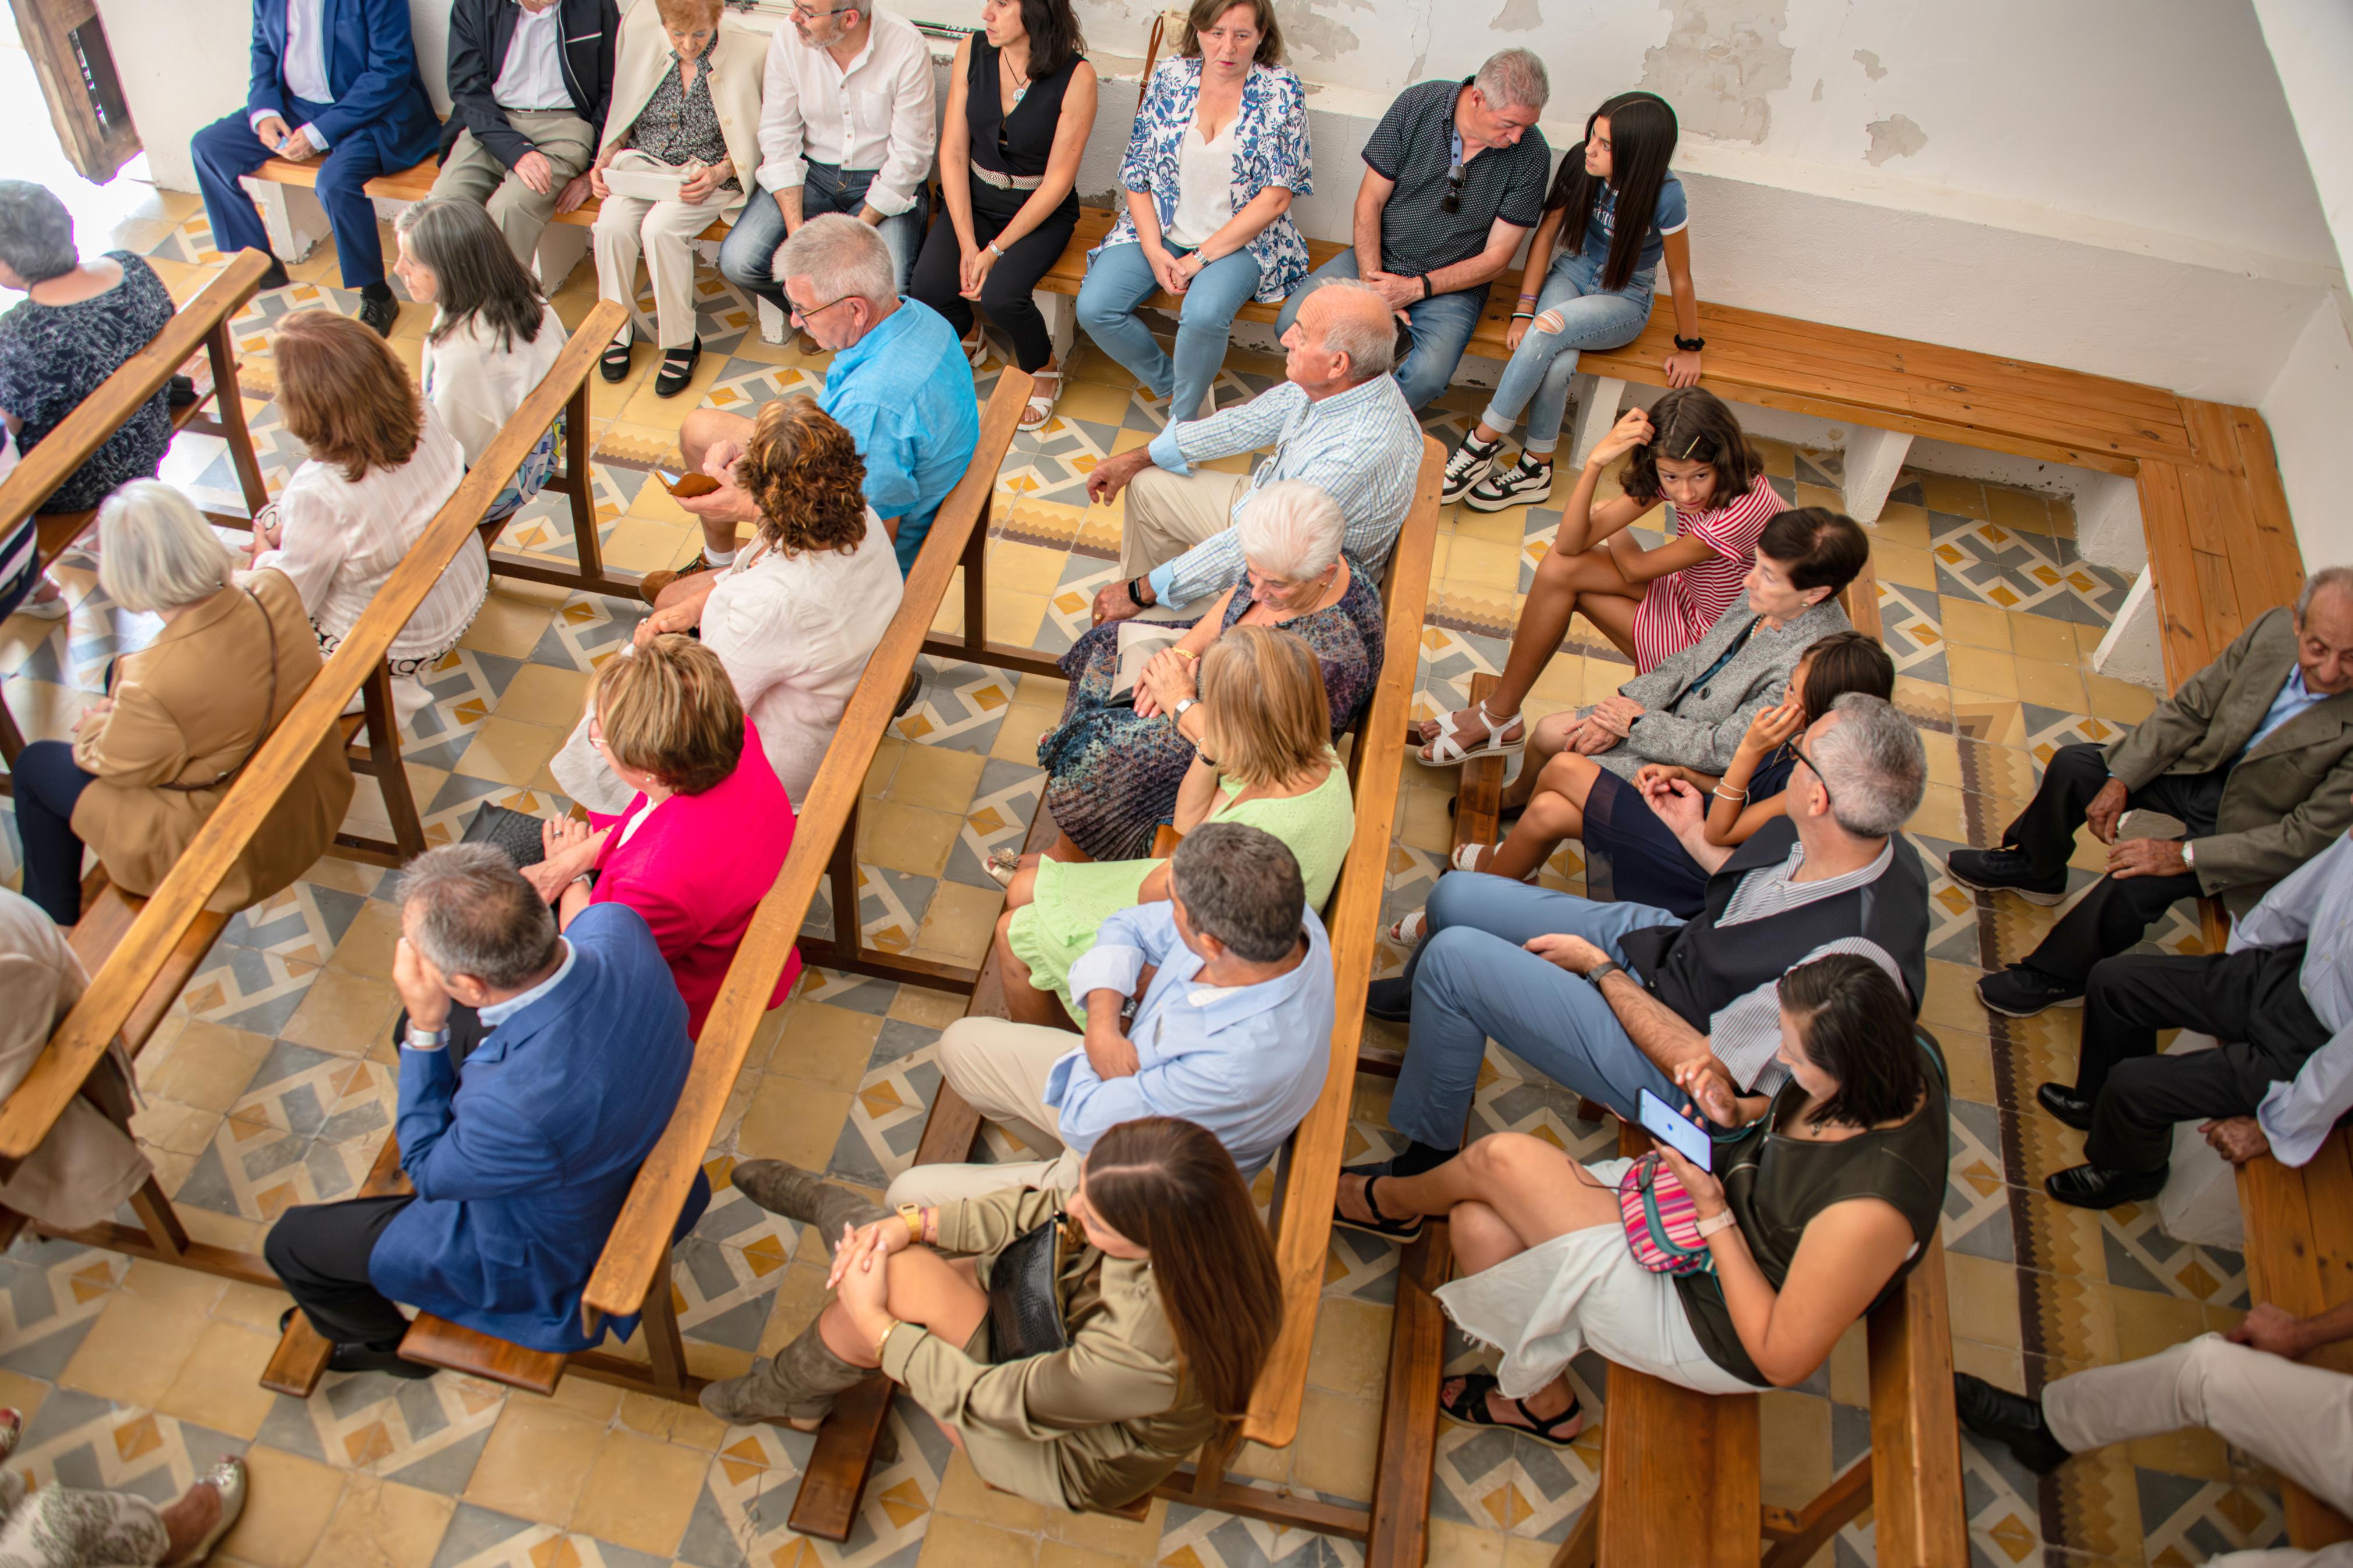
(1271, 149)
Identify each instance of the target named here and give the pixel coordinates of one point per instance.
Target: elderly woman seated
(701, 842)
(1265, 759)
(1117, 764)
(1810, 1211)
(81, 321)
(151, 759)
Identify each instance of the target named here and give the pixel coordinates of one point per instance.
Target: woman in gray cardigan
(1692, 709)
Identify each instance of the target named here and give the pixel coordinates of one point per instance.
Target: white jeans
(2297, 1419)
(999, 1068)
(664, 233)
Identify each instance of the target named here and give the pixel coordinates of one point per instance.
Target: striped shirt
(1361, 447)
(1678, 608)
(1744, 1036)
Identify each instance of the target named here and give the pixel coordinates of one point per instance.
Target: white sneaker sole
(1477, 502)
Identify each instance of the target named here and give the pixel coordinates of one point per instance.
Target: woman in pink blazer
(701, 843)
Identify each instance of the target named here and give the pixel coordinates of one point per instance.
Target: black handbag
(1025, 1310)
(517, 834)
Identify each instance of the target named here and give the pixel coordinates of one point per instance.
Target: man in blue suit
(332, 76)
(525, 1109)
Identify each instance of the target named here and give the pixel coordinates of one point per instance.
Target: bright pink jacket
(697, 867)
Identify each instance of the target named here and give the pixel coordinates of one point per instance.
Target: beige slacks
(663, 232)
(474, 174)
(1168, 514)
(1000, 1068)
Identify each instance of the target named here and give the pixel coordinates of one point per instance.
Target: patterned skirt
(1112, 777)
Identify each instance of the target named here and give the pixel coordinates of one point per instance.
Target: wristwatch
(913, 1215)
(1690, 345)
(1722, 1219)
(2190, 854)
(427, 1039)
(1177, 713)
(1603, 971)
(1426, 289)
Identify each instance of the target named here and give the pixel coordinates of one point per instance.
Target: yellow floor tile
(302, 1496)
(1350, 1353)
(208, 1066)
(383, 1524)
(1962, 498)
(1905, 565)
(542, 694)
(134, 1351)
(343, 1013)
(642, 544)
(510, 751)
(936, 778)
(822, 1045)
(1479, 563)
(1017, 738)
(2120, 700)
(1019, 568)
(1976, 626)
(536, 1463)
(904, 838)
(1984, 1300)
(2027, 511)
(965, 1495)
(640, 1492)
(960, 922)
(1339, 1444)
(367, 946)
(2048, 685)
(1983, 669)
(2043, 638)
(956, 1542)
(219, 1384)
(791, 1120)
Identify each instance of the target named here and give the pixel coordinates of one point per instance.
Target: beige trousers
(664, 233)
(1168, 514)
(474, 174)
(1000, 1066)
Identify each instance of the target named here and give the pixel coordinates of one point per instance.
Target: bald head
(1344, 335)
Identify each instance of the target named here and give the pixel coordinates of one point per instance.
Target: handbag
(1661, 1221)
(1025, 1310)
(515, 834)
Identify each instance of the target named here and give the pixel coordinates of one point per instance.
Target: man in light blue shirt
(1232, 1028)
(1338, 422)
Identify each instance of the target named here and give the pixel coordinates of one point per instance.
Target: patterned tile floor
(270, 1083)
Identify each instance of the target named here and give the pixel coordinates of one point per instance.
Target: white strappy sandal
(1045, 391)
(1446, 750)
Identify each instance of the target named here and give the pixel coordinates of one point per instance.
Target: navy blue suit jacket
(521, 1162)
(371, 69)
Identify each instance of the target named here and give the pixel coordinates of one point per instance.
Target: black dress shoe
(2005, 871)
(276, 278)
(380, 314)
(1389, 1000)
(2021, 991)
(385, 1358)
(613, 365)
(2064, 1103)
(2010, 1419)
(678, 369)
(2091, 1187)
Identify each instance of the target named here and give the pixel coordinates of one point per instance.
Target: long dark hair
(473, 272)
(1858, 1029)
(1641, 140)
(1171, 1188)
(1693, 425)
(1054, 36)
(1844, 662)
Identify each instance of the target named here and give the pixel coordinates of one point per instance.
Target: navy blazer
(371, 69)
(521, 1161)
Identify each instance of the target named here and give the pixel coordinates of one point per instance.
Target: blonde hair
(1269, 719)
(671, 711)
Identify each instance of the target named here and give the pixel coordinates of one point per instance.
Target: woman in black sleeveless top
(1820, 1205)
(1021, 99)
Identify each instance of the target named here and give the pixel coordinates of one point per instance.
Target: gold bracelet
(884, 1337)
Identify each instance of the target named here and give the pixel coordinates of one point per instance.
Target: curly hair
(805, 474)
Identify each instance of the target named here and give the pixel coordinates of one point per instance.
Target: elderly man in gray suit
(2253, 759)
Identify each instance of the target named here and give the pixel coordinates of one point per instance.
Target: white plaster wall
(2309, 408)
(2311, 44)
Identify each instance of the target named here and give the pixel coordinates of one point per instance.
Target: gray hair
(1241, 885)
(2338, 577)
(1874, 765)
(843, 257)
(36, 232)
(155, 550)
(475, 915)
(1291, 530)
(1371, 351)
(1514, 79)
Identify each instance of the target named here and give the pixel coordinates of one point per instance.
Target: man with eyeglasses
(847, 124)
(1454, 177)
(1609, 999)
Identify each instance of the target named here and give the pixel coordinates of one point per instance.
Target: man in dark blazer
(2253, 759)
(529, 84)
(336, 78)
(537, 1071)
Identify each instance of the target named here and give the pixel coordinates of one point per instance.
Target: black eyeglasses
(1452, 201)
(797, 314)
(1799, 752)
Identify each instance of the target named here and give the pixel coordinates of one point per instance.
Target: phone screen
(1679, 1131)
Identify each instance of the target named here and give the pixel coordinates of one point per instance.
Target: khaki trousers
(1000, 1068)
(664, 233)
(1168, 514)
(474, 174)
(2297, 1419)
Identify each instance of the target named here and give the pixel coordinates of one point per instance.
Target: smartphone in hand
(687, 485)
(1678, 1131)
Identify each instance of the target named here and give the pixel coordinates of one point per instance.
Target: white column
(1873, 458)
(2131, 651)
(2108, 524)
(771, 320)
(561, 246)
(291, 214)
(1597, 410)
(1062, 313)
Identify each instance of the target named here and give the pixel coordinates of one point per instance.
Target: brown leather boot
(799, 1384)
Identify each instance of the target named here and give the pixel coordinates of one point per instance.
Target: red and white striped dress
(1680, 606)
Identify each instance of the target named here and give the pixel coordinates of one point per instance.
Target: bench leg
(228, 410)
(1799, 1534)
(2108, 526)
(561, 246)
(773, 325)
(1408, 1451)
(1597, 410)
(1873, 458)
(1062, 313)
(2134, 647)
(291, 214)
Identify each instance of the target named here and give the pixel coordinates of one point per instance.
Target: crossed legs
(1566, 585)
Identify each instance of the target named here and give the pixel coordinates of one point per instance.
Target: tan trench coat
(87, 1166)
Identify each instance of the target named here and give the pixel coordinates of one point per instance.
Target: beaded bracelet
(1735, 797)
(1524, 315)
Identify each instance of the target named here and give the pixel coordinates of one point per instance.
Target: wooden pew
(414, 184)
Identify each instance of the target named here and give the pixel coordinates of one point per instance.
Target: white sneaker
(1466, 468)
(1525, 483)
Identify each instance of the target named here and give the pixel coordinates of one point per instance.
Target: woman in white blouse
(798, 615)
(494, 336)
(381, 465)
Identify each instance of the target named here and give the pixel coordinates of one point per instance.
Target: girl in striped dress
(1687, 453)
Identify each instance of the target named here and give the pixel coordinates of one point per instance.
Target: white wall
(2309, 409)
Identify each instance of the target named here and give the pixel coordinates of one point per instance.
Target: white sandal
(1002, 866)
(1466, 858)
(1042, 402)
(1408, 932)
(1444, 751)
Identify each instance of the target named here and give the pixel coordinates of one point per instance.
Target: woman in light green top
(1265, 761)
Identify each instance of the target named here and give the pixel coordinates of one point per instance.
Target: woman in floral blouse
(1219, 151)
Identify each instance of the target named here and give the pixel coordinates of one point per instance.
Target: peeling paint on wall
(1817, 90)
(1308, 25)
(1720, 60)
(1870, 64)
(1895, 137)
(1518, 16)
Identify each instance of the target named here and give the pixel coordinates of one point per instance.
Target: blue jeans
(1442, 326)
(1473, 981)
(228, 148)
(747, 256)
(1539, 375)
(49, 783)
(1121, 280)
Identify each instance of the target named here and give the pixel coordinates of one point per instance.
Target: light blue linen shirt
(1247, 1061)
(2313, 905)
(904, 393)
(1361, 447)
(2293, 698)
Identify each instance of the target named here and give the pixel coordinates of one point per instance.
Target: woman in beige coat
(686, 104)
(150, 760)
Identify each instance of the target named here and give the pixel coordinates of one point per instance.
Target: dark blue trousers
(227, 148)
(47, 784)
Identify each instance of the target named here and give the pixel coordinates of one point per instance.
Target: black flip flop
(1380, 1225)
(1469, 1409)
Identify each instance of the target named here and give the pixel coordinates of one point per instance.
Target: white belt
(1006, 181)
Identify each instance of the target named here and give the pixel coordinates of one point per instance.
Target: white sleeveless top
(1204, 185)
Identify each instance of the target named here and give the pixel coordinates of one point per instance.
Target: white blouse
(794, 633)
(339, 539)
(1204, 185)
(476, 387)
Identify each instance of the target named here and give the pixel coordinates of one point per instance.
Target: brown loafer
(651, 584)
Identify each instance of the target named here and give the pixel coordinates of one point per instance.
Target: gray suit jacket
(2287, 799)
(1700, 726)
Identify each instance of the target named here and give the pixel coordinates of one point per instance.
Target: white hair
(155, 550)
(1514, 79)
(2338, 577)
(843, 257)
(1291, 530)
(1367, 338)
(1873, 764)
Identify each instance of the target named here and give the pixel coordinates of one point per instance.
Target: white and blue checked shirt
(2313, 905)
(1361, 447)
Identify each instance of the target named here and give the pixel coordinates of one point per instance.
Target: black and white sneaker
(1526, 483)
(1466, 468)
